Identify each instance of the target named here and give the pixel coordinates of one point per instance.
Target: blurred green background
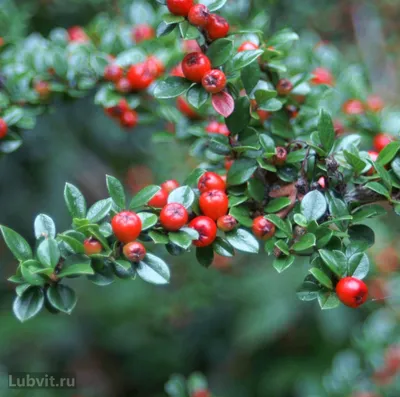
(239, 322)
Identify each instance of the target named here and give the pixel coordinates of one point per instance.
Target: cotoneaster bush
(292, 154)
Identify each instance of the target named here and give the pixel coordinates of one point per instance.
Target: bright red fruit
(177, 71)
(42, 88)
(217, 27)
(179, 7)
(189, 46)
(375, 103)
(322, 76)
(3, 128)
(123, 85)
(186, 109)
(92, 246)
(140, 76)
(338, 127)
(118, 110)
(134, 251)
(195, 65)
(207, 230)
(129, 119)
(170, 185)
(373, 156)
(284, 86)
(226, 223)
(113, 72)
(143, 32)
(352, 291)
(381, 140)
(213, 127)
(353, 107)
(159, 200)
(198, 15)
(77, 34)
(214, 203)
(263, 228)
(322, 182)
(126, 226)
(214, 81)
(173, 216)
(210, 181)
(155, 66)
(247, 46)
(228, 163)
(201, 393)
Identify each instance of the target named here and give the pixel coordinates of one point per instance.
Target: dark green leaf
(153, 270)
(250, 76)
(241, 171)
(313, 205)
(17, 244)
(281, 224)
(99, 210)
(328, 300)
(277, 204)
(358, 265)
(197, 96)
(172, 87)
(281, 264)
(388, 153)
(144, 196)
(326, 131)
(48, 252)
(28, 304)
(242, 240)
(321, 277)
(116, 191)
(183, 195)
(335, 260)
(222, 247)
(240, 118)
(44, 226)
(205, 255)
(306, 241)
(148, 219)
(220, 51)
(61, 297)
(75, 201)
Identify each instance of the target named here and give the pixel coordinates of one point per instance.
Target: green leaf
(188, 31)
(219, 144)
(281, 264)
(222, 247)
(163, 28)
(131, 56)
(172, 87)
(242, 240)
(328, 300)
(73, 244)
(300, 220)
(220, 51)
(12, 115)
(338, 209)
(283, 247)
(321, 277)
(116, 191)
(240, 117)
(242, 59)
(17, 244)
(28, 304)
(241, 171)
(282, 37)
(194, 176)
(354, 161)
(277, 204)
(296, 156)
(335, 260)
(358, 265)
(306, 241)
(148, 219)
(144, 196)
(272, 105)
(250, 76)
(267, 143)
(29, 271)
(326, 131)
(362, 234)
(99, 210)
(153, 270)
(76, 265)
(308, 291)
(44, 226)
(181, 239)
(281, 224)
(205, 255)
(242, 215)
(313, 205)
(48, 253)
(384, 174)
(158, 238)
(61, 297)
(367, 211)
(183, 195)
(197, 96)
(378, 188)
(256, 189)
(216, 5)
(170, 18)
(388, 153)
(75, 201)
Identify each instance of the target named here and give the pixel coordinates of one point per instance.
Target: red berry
(353, 107)
(280, 156)
(198, 15)
(173, 216)
(373, 156)
(292, 111)
(381, 140)
(214, 203)
(201, 392)
(352, 291)
(170, 185)
(213, 127)
(284, 87)
(217, 27)
(92, 246)
(129, 119)
(159, 200)
(155, 66)
(179, 7)
(140, 76)
(118, 110)
(186, 109)
(134, 251)
(228, 163)
(1, 42)
(177, 70)
(247, 46)
(3, 128)
(322, 182)
(207, 230)
(224, 130)
(189, 46)
(322, 76)
(123, 85)
(42, 88)
(210, 181)
(143, 32)
(263, 228)
(375, 103)
(77, 34)
(113, 72)
(195, 65)
(226, 223)
(214, 81)
(338, 127)
(126, 226)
